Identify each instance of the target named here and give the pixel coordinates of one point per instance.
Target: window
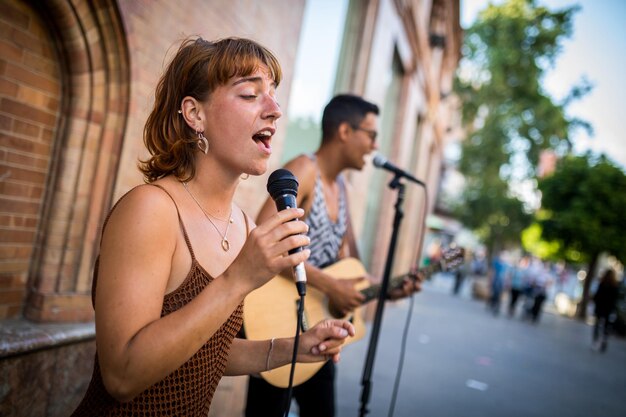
(314, 74)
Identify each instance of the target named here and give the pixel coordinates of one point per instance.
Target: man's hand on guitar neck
(343, 297)
(409, 286)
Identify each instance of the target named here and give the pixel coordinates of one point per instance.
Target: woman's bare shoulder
(144, 205)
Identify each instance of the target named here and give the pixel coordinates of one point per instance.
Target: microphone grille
(379, 160)
(280, 182)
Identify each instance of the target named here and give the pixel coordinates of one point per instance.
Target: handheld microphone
(283, 187)
(381, 162)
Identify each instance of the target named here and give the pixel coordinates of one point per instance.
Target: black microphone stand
(382, 296)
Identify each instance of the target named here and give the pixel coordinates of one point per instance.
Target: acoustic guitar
(271, 310)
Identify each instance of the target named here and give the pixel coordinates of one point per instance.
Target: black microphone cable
(296, 341)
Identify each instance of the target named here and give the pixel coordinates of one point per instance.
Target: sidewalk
(462, 361)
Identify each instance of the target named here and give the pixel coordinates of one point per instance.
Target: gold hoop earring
(203, 143)
(245, 176)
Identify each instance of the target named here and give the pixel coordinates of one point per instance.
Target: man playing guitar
(349, 129)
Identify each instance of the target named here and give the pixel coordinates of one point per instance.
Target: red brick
(10, 52)
(14, 265)
(22, 110)
(18, 220)
(6, 122)
(23, 236)
(26, 40)
(13, 296)
(14, 251)
(14, 206)
(41, 64)
(26, 129)
(8, 88)
(4, 312)
(53, 104)
(15, 189)
(33, 97)
(31, 78)
(47, 135)
(12, 13)
(5, 30)
(9, 281)
(59, 307)
(21, 174)
(24, 144)
(30, 162)
(14, 282)
(14, 311)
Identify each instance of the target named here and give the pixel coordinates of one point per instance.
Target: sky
(318, 54)
(596, 50)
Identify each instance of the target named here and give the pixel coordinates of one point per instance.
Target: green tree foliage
(508, 117)
(583, 205)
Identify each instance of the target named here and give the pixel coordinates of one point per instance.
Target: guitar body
(271, 311)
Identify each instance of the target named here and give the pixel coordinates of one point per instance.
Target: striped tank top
(326, 236)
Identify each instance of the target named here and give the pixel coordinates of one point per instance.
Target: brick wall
(29, 109)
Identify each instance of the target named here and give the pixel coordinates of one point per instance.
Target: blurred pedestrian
(478, 264)
(460, 273)
(605, 300)
(519, 280)
(541, 281)
(499, 270)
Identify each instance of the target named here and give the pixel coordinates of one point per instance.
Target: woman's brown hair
(196, 70)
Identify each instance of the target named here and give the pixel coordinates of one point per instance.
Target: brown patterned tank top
(188, 390)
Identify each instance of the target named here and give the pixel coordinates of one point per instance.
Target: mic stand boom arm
(382, 295)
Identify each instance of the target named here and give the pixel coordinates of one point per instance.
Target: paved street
(462, 361)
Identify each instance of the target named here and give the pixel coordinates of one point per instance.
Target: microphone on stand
(382, 162)
(283, 187)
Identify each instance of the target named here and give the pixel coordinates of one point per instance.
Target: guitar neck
(373, 291)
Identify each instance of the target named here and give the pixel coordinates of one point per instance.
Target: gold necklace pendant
(225, 243)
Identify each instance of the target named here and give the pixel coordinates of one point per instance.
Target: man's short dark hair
(345, 108)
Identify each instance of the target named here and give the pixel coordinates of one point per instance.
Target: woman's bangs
(245, 62)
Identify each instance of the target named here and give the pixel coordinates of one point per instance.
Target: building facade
(76, 85)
